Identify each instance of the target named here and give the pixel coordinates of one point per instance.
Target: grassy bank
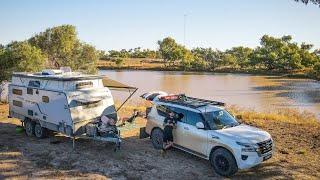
(158, 65)
(296, 136)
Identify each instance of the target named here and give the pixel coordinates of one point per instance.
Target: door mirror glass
(200, 125)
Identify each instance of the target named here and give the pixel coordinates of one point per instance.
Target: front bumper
(250, 159)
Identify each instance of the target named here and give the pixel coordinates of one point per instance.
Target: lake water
(262, 93)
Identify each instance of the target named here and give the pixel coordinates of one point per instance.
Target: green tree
(63, 48)
(308, 58)
(229, 60)
(20, 56)
(84, 58)
(277, 54)
(241, 56)
(212, 57)
(316, 2)
(170, 50)
(58, 43)
(119, 61)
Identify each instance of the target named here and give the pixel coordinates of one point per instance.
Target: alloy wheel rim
(222, 163)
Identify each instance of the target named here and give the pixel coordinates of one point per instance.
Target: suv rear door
(177, 132)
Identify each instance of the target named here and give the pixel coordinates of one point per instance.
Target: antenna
(184, 28)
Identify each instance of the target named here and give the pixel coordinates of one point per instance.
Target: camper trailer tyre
(39, 131)
(29, 127)
(157, 138)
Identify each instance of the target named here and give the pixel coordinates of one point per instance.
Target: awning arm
(127, 99)
(118, 86)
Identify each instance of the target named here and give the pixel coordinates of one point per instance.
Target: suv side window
(181, 114)
(162, 110)
(193, 118)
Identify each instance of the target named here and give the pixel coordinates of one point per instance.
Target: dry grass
(285, 115)
(132, 63)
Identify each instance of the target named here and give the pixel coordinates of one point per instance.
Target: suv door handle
(186, 128)
(214, 137)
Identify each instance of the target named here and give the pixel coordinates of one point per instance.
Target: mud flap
(143, 134)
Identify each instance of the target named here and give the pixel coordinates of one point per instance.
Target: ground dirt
(297, 156)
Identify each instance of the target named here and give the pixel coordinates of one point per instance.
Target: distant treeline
(59, 46)
(277, 55)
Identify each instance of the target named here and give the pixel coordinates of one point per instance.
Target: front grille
(265, 146)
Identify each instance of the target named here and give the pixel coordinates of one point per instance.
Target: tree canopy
(316, 2)
(273, 54)
(20, 56)
(53, 48)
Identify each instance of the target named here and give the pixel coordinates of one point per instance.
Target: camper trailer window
(17, 91)
(34, 84)
(82, 85)
(17, 103)
(45, 99)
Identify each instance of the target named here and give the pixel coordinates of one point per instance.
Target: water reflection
(256, 92)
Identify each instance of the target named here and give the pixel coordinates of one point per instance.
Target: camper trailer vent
(17, 103)
(17, 91)
(51, 72)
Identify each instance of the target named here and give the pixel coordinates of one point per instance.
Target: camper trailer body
(60, 101)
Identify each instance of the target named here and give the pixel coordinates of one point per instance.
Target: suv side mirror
(200, 125)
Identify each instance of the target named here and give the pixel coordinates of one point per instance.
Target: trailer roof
(74, 76)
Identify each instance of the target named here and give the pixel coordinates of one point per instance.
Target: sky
(124, 24)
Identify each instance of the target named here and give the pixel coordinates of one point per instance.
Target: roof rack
(182, 99)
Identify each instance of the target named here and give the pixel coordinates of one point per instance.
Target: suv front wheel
(223, 162)
(157, 138)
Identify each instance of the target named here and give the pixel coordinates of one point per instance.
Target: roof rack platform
(182, 99)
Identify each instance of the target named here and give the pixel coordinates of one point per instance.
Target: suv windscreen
(220, 119)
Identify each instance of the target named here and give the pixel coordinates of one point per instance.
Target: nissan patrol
(206, 129)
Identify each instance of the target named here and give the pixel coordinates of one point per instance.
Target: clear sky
(117, 24)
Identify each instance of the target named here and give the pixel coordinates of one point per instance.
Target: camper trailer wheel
(39, 131)
(29, 126)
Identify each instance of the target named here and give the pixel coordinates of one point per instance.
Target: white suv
(207, 130)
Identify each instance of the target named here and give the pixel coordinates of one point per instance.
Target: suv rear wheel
(223, 162)
(157, 138)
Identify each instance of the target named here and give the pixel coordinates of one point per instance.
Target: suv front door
(195, 139)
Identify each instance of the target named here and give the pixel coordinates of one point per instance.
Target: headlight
(247, 147)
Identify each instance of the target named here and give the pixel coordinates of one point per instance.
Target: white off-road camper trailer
(67, 102)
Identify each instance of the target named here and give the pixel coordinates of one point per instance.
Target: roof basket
(192, 102)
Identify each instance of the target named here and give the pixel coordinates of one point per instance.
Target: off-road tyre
(157, 138)
(223, 162)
